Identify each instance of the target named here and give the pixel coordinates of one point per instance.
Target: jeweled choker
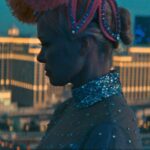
(96, 90)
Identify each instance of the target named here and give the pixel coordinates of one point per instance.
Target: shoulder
(109, 135)
(58, 112)
(100, 136)
(61, 106)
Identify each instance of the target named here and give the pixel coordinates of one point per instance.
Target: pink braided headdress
(25, 10)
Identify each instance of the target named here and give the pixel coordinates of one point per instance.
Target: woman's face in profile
(61, 54)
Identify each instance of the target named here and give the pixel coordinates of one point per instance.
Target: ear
(85, 46)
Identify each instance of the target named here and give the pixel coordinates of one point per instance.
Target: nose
(41, 56)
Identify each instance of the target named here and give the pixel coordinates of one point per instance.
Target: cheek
(65, 62)
(65, 65)
(75, 65)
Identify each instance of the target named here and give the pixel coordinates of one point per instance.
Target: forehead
(44, 28)
(52, 24)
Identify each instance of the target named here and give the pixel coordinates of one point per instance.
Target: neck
(93, 68)
(85, 77)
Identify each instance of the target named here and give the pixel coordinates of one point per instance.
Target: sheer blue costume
(97, 117)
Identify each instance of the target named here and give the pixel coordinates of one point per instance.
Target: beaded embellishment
(107, 31)
(94, 91)
(30, 10)
(92, 7)
(77, 26)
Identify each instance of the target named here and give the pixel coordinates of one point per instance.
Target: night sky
(136, 7)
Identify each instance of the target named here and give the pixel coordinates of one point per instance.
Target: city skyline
(28, 100)
(136, 61)
(134, 70)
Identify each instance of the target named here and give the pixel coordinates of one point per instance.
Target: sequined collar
(96, 90)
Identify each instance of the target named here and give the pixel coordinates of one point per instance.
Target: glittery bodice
(102, 120)
(101, 87)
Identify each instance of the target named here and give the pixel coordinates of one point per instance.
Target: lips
(47, 73)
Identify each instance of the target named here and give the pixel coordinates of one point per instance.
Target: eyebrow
(42, 39)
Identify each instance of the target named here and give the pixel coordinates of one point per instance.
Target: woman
(78, 39)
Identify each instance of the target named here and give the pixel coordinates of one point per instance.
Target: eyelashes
(45, 44)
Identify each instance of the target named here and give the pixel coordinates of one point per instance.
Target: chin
(57, 82)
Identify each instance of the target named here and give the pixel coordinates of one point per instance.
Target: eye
(45, 44)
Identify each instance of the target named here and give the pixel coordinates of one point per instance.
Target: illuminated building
(5, 97)
(135, 75)
(23, 75)
(14, 31)
(5, 102)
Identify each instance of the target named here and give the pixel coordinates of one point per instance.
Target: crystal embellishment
(129, 141)
(99, 133)
(97, 90)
